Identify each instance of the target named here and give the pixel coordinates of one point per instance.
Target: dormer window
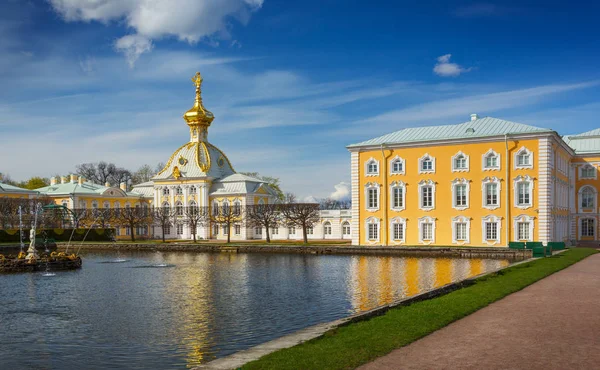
(426, 164)
(372, 167)
(524, 158)
(491, 161)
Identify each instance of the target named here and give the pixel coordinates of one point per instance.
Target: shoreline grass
(355, 344)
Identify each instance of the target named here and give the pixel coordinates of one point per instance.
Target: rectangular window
(460, 163)
(523, 230)
(491, 230)
(587, 227)
(461, 231)
(523, 193)
(292, 231)
(258, 230)
(427, 196)
(237, 229)
(346, 229)
(523, 159)
(215, 230)
(427, 165)
(275, 231)
(373, 231)
(397, 197)
(167, 229)
(461, 195)
(398, 231)
(427, 231)
(310, 230)
(373, 201)
(397, 166)
(179, 229)
(225, 231)
(372, 168)
(491, 194)
(491, 161)
(587, 199)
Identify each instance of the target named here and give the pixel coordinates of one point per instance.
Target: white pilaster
(354, 175)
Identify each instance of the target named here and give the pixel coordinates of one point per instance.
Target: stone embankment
(457, 252)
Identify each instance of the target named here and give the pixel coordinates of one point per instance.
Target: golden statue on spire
(198, 115)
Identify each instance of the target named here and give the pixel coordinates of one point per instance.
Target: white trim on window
(517, 196)
(580, 203)
(370, 237)
(369, 205)
(424, 184)
(588, 167)
(528, 222)
(462, 183)
(467, 232)
(523, 151)
(401, 222)
(426, 156)
(580, 228)
(466, 162)
(491, 219)
(425, 222)
(372, 171)
(402, 163)
(484, 157)
(484, 183)
(393, 204)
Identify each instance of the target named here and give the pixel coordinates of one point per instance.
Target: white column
(354, 167)
(545, 190)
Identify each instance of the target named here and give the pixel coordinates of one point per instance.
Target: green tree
(35, 182)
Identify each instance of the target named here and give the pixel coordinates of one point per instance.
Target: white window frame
(367, 163)
(422, 184)
(398, 221)
(523, 150)
(484, 157)
(397, 185)
(587, 166)
(523, 179)
(462, 182)
(327, 229)
(484, 182)
(394, 160)
(498, 221)
(580, 228)
(453, 164)
(369, 221)
(422, 159)
(237, 229)
(462, 220)
(376, 186)
(344, 225)
(427, 220)
(580, 199)
(523, 219)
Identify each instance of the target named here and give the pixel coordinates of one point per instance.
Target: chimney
(53, 180)
(107, 184)
(81, 180)
(63, 179)
(123, 186)
(474, 117)
(73, 178)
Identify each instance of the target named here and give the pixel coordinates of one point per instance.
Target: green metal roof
(87, 188)
(482, 127)
(587, 142)
(14, 189)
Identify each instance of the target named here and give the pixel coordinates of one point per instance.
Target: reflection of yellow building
(484, 182)
(377, 281)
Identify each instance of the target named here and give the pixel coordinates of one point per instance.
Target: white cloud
(187, 20)
(446, 69)
(342, 191)
(133, 46)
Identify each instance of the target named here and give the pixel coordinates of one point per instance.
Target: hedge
(94, 235)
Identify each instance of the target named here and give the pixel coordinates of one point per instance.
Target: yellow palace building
(484, 182)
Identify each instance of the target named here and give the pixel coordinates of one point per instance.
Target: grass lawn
(350, 346)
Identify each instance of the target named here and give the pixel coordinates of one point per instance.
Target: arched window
(372, 196)
(372, 167)
(426, 195)
(490, 190)
(106, 205)
(237, 208)
(460, 162)
(165, 191)
(179, 190)
(94, 204)
(524, 192)
(491, 160)
(398, 195)
(225, 207)
(193, 207)
(215, 210)
(192, 189)
(427, 164)
(587, 198)
(397, 166)
(327, 228)
(178, 208)
(524, 158)
(346, 228)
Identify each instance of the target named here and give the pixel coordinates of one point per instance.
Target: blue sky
(291, 83)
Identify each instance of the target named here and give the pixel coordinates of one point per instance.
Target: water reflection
(198, 306)
(380, 281)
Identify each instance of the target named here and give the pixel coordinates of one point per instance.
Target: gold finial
(197, 79)
(198, 114)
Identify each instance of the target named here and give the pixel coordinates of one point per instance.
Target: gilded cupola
(198, 118)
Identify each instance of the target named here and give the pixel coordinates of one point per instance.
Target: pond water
(161, 310)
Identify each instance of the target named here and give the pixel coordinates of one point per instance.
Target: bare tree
(196, 216)
(102, 172)
(264, 215)
(163, 218)
(143, 174)
(133, 217)
(225, 216)
(303, 215)
(329, 203)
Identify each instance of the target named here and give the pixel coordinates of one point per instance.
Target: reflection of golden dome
(198, 115)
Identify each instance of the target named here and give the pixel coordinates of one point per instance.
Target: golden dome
(198, 115)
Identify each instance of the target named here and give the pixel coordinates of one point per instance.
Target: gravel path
(552, 324)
